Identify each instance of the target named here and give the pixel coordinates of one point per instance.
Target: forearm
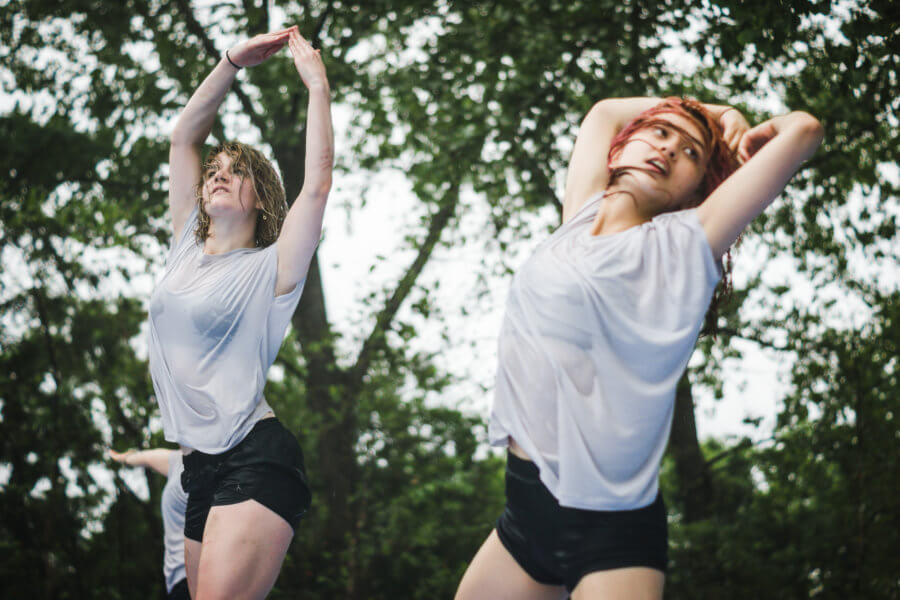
(805, 131)
(620, 111)
(199, 114)
(624, 110)
(319, 142)
(156, 459)
(717, 110)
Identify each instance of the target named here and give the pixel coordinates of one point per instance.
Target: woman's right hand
(252, 52)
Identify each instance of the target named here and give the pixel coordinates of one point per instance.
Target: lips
(659, 165)
(218, 188)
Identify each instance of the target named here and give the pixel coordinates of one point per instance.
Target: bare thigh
(192, 563)
(633, 583)
(494, 574)
(243, 547)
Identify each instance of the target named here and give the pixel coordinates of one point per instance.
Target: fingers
(299, 40)
(745, 149)
(281, 34)
(299, 47)
(119, 456)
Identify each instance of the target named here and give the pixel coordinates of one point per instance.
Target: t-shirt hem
(588, 503)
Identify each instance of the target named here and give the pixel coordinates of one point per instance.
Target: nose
(667, 149)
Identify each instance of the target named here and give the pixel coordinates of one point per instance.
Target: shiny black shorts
(266, 466)
(557, 545)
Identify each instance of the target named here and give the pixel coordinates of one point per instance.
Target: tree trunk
(695, 490)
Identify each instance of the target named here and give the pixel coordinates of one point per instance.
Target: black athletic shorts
(266, 466)
(557, 545)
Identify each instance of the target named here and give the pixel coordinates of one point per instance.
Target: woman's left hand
(252, 52)
(756, 138)
(308, 61)
(734, 126)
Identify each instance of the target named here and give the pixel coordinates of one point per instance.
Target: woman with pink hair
(600, 324)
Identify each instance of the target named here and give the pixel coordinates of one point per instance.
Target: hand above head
(307, 60)
(756, 138)
(252, 52)
(734, 126)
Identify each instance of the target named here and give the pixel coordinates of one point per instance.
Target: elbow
(602, 108)
(181, 137)
(323, 189)
(811, 128)
(317, 191)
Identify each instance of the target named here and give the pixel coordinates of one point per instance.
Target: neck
(619, 210)
(226, 235)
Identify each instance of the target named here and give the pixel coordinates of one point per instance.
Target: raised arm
(196, 120)
(303, 225)
(588, 171)
(772, 152)
(156, 459)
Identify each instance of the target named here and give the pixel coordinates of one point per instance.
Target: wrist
(319, 87)
(231, 61)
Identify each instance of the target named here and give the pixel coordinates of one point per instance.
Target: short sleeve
(282, 307)
(683, 257)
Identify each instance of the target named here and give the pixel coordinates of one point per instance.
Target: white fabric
(597, 332)
(173, 505)
(215, 329)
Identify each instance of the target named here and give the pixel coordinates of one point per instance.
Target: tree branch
(376, 338)
(320, 25)
(197, 29)
(731, 332)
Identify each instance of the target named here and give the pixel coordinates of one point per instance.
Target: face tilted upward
(666, 158)
(227, 188)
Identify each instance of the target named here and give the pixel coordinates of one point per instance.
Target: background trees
(476, 103)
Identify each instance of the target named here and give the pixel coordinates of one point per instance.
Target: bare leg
(192, 563)
(494, 574)
(633, 583)
(243, 547)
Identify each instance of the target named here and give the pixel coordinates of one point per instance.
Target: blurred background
(454, 123)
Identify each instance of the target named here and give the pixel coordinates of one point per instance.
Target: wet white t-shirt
(215, 328)
(597, 332)
(173, 504)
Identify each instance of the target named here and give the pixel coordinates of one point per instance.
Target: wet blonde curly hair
(247, 161)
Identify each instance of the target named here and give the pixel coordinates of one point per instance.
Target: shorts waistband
(198, 459)
(525, 469)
